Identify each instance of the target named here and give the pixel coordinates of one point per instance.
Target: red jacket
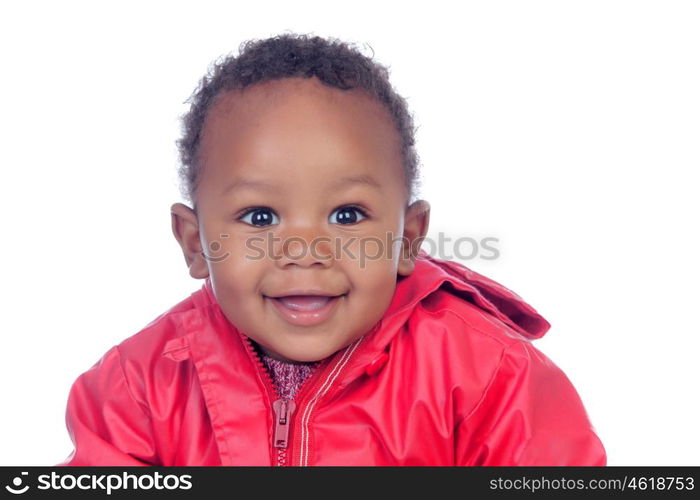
(447, 377)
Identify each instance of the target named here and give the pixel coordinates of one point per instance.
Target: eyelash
(345, 207)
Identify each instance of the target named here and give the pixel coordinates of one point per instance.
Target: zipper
(308, 405)
(282, 408)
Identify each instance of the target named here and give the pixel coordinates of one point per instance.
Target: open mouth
(306, 310)
(305, 303)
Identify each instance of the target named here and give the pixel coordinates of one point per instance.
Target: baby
(322, 334)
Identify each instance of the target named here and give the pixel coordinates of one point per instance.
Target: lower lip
(306, 318)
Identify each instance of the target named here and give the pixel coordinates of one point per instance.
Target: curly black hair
(335, 63)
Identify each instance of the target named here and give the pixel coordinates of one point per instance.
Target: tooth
(305, 303)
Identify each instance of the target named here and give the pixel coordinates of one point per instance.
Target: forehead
(297, 130)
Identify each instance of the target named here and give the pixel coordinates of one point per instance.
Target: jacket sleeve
(106, 424)
(529, 415)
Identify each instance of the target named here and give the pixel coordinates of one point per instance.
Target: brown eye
(347, 215)
(260, 217)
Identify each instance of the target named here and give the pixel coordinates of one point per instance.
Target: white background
(568, 130)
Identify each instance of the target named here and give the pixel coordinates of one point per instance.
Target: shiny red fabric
(447, 377)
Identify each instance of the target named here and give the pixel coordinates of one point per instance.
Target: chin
(309, 355)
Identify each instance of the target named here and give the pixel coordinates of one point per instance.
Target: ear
(416, 224)
(186, 231)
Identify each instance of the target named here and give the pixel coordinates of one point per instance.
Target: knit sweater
(287, 376)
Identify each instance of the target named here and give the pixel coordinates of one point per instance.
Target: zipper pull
(283, 414)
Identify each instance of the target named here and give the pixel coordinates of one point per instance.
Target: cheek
(250, 248)
(374, 293)
(374, 277)
(235, 249)
(379, 248)
(238, 269)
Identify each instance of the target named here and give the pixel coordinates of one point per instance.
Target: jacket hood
(431, 274)
(490, 296)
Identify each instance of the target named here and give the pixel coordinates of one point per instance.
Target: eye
(259, 217)
(347, 215)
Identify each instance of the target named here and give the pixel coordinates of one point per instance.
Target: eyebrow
(364, 180)
(249, 184)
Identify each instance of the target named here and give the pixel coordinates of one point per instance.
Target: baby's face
(301, 219)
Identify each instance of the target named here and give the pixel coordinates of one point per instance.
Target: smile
(305, 310)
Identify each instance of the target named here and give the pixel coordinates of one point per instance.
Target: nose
(304, 247)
